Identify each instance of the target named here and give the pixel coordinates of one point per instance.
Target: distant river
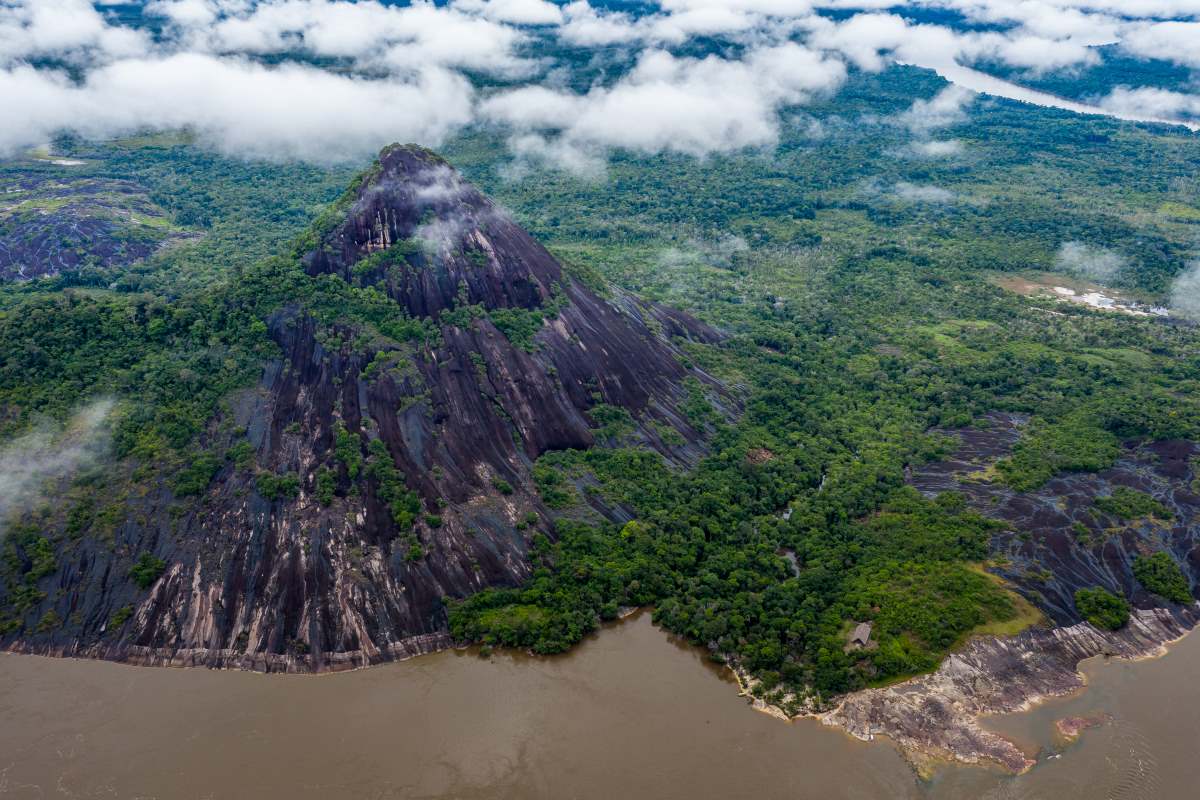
(628, 714)
(983, 83)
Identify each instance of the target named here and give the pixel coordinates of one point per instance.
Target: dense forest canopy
(860, 270)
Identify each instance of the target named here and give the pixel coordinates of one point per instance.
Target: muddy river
(628, 714)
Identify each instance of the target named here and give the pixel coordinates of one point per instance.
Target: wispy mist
(34, 461)
(1185, 292)
(1086, 261)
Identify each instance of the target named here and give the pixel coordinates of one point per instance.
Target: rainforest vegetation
(857, 324)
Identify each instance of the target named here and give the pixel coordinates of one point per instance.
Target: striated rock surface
(411, 456)
(936, 717)
(1056, 542)
(52, 223)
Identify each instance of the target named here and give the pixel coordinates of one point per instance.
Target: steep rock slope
(380, 468)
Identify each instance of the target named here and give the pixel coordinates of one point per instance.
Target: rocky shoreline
(932, 719)
(935, 718)
(295, 663)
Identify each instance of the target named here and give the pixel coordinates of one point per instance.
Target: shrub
(241, 454)
(273, 487)
(347, 448)
(518, 325)
(552, 486)
(1102, 608)
(119, 617)
(325, 486)
(146, 570)
(1160, 574)
(195, 477)
(403, 504)
(41, 558)
(49, 621)
(1129, 503)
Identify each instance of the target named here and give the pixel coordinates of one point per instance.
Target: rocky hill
(377, 469)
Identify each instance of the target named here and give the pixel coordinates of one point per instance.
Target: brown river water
(630, 713)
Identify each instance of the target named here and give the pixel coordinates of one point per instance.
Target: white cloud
(50, 453)
(184, 13)
(62, 28)
(587, 27)
(946, 108)
(518, 12)
(467, 35)
(871, 40)
(923, 193)
(674, 104)
(1035, 53)
(1093, 263)
(1185, 292)
(1177, 41)
(943, 148)
(532, 107)
(583, 160)
(1147, 102)
(777, 8)
(1052, 12)
(290, 111)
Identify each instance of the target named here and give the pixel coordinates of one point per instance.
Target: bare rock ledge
(935, 717)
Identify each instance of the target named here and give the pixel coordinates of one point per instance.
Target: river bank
(630, 711)
(937, 717)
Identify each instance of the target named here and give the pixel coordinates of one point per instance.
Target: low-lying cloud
(946, 108)
(1149, 102)
(923, 193)
(239, 106)
(671, 104)
(937, 148)
(400, 72)
(49, 453)
(1185, 292)
(1086, 261)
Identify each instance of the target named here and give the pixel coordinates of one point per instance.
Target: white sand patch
(1104, 302)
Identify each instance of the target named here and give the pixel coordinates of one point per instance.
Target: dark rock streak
(291, 584)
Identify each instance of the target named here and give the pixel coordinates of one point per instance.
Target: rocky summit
(389, 472)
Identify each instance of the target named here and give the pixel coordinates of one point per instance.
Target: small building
(861, 636)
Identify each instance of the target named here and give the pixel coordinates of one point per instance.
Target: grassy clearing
(1027, 614)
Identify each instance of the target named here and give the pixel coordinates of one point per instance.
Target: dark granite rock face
(298, 584)
(1058, 541)
(53, 223)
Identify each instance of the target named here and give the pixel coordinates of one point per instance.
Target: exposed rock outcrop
(936, 717)
(52, 224)
(1057, 542)
(409, 456)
